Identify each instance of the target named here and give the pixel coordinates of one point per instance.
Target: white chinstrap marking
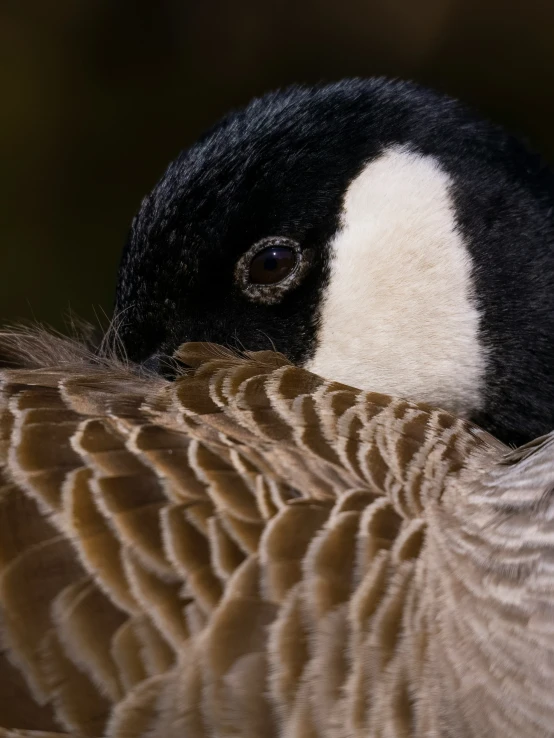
(398, 315)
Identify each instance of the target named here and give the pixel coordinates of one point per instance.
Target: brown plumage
(253, 551)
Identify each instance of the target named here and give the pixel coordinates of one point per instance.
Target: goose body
(375, 233)
(253, 550)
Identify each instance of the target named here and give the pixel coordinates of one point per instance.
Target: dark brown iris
(272, 265)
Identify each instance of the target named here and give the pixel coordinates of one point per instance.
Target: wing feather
(252, 550)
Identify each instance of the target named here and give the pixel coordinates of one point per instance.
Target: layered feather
(253, 551)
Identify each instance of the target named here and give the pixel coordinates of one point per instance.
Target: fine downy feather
(253, 551)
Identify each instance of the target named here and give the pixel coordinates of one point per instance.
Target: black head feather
(280, 168)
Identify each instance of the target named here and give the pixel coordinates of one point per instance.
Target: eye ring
(271, 293)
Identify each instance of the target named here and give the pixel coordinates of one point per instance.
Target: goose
(375, 233)
(249, 549)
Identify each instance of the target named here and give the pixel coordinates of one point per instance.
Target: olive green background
(98, 95)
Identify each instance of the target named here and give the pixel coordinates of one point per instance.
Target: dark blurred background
(99, 95)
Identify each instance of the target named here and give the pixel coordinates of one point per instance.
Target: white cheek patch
(398, 315)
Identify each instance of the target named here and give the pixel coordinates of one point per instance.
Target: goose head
(375, 233)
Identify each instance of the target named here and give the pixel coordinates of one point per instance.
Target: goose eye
(272, 265)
